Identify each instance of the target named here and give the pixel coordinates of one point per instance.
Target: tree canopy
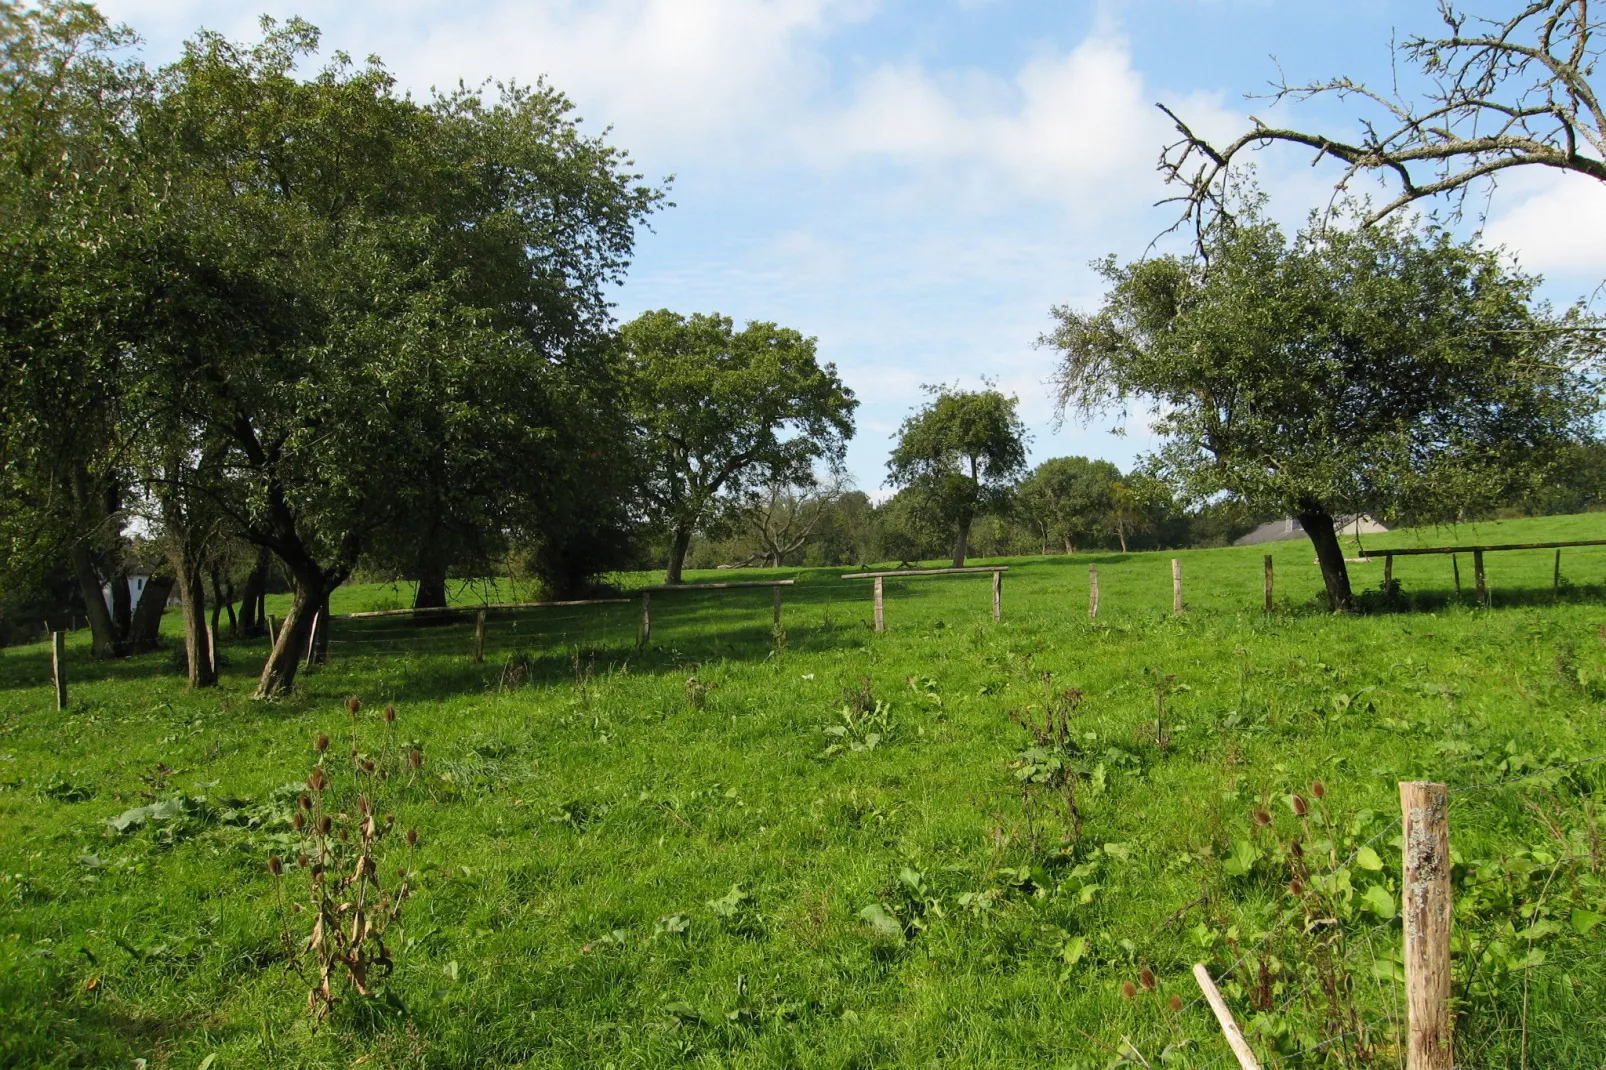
(1386, 369)
(1071, 498)
(723, 412)
(960, 455)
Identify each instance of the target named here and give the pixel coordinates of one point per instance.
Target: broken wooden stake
(1229, 1028)
(1092, 592)
(998, 596)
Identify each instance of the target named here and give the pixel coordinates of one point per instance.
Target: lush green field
(658, 857)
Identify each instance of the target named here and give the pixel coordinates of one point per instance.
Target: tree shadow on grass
(1434, 600)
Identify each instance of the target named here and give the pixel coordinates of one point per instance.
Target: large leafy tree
(1380, 369)
(1070, 498)
(383, 312)
(723, 412)
(959, 456)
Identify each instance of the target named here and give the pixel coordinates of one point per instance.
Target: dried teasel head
(1296, 849)
(1262, 818)
(390, 819)
(325, 823)
(1175, 1003)
(390, 713)
(353, 704)
(1296, 888)
(317, 780)
(1146, 978)
(305, 801)
(322, 742)
(1301, 807)
(1319, 790)
(415, 758)
(298, 822)
(303, 861)
(341, 834)
(275, 865)
(1129, 990)
(368, 766)
(411, 837)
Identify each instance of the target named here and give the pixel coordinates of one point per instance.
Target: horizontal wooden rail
(715, 586)
(1412, 551)
(925, 572)
(430, 610)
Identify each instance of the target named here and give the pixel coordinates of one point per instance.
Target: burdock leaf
(882, 923)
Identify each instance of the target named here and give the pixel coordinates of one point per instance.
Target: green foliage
(958, 457)
(720, 412)
(1070, 499)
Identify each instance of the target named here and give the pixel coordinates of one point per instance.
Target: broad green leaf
(1241, 858)
(1367, 858)
(882, 923)
(1380, 901)
(1584, 921)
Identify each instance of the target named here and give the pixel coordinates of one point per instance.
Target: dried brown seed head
(368, 766)
(305, 801)
(1296, 888)
(412, 837)
(1128, 989)
(353, 704)
(1262, 818)
(303, 861)
(325, 823)
(275, 865)
(317, 780)
(1301, 807)
(415, 758)
(299, 821)
(322, 743)
(1146, 978)
(390, 714)
(1319, 790)
(1175, 1003)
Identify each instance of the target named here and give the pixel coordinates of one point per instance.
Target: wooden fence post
(1229, 1028)
(1268, 583)
(273, 632)
(1092, 592)
(479, 638)
(211, 649)
(58, 667)
(880, 607)
(1388, 573)
(775, 594)
(1477, 572)
(1555, 577)
(312, 638)
(1176, 586)
(1455, 567)
(998, 596)
(646, 618)
(1425, 896)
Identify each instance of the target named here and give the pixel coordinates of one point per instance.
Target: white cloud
(1555, 223)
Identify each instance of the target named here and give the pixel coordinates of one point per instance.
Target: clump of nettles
(1047, 770)
(350, 909)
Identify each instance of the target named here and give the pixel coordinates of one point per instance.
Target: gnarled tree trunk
(962, 543)
(309, 599)
(192, 592)
(107, 642)
(677, 555)
(1318, 524)
(431, 592)
(147, 627)
(253, 619)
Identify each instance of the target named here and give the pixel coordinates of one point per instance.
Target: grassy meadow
(832, 848)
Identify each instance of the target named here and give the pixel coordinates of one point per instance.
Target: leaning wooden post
(1092, 592)
(58, 666)
(775, 597)
(1426, 901)
(1477, 573)
(1555, 577)
(1229, 1028)
(1176, 586)
(880, 606)
(312, 638)
(479, 638)
(646, 618)
(1268, 583)
(998, 596)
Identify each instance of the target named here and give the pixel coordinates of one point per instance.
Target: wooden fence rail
(878, 594)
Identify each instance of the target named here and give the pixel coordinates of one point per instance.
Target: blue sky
(912, 182)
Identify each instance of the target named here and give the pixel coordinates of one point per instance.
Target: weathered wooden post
(211, 649)
(1176, 587)
(1425, 899)
(646, 618)
(775, 595)
(1455, 567)
(1268, 583)
(479, 638)
(998, 596)
(58, 666)
(1477, 572)
(1229, 1028)
(312, 638)
(1555, 576)
(273, 632)
(1388, 573)
(880, 607)
(1092, 592)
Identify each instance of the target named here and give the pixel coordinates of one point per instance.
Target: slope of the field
(660, 856)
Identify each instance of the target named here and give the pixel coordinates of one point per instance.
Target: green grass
(574, 796)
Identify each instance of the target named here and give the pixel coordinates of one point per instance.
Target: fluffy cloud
(1556, 224)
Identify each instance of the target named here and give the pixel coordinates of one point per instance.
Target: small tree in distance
(1069, 499)
(960, 455)
(1377, 369)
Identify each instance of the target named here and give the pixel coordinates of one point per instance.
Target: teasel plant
(352, 913)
